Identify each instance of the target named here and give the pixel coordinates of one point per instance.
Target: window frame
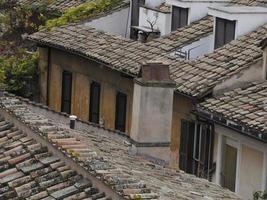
(179, 24)
(224, 38)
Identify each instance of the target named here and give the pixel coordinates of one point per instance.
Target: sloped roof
(246, 106)
(250, 2)
(29, 171)
(116, 51)
(106, 156)
(197, 77)
(185, 35)
(54, 5)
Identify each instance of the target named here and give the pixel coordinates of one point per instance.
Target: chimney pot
(72, 121)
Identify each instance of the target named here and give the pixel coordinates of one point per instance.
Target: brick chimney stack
(152, 110)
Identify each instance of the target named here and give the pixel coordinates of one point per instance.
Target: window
(224, 32)
(66, 92)
(196, 148)
(179, 17)
(186, 146)
(95, 90)
(120, 119)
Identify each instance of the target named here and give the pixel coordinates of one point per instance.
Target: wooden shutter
(186, 146)
(224, 32)
(229, 31)
(121, 105)
(179, 17)
(183, 17)
(95, 90)
(66, 92)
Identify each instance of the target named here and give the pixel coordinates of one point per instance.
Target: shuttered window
(121, 104)
(66, 92)
(186, 146)
(95, 90)
(224, 31)
(196, 148)
(179, 17)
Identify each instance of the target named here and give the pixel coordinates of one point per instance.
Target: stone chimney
(152, 110)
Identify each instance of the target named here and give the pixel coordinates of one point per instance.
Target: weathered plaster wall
(252, 73)
(83, 72)
(43, 68)
(152, 116)
(250, 171)
(182, 107)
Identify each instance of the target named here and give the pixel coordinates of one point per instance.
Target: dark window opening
(66, 92)
(224, 31)
(135, 17)
(95, 90)
(179, 17)
(196, 149)
(121, 105)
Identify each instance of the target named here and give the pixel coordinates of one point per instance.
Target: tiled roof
(250, 2)
(29, 171)
(117, 52)
(164, 7)
(193, 77)
(106, 156)
(186, 35)
(56, 5)
(247, 106)
(197, 77)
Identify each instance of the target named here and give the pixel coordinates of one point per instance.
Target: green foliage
(260, 195)
(18, 73)
(82, 11)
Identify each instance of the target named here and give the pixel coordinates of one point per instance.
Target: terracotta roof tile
(126, 55)
(186, 35)
(246, 106)
(102, 153)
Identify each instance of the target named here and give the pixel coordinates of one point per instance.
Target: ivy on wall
(260, 195)
(83, 11)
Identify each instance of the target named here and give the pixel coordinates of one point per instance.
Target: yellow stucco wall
(43, 65)
(84, 72)
(182, 107)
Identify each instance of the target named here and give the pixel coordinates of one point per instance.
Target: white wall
(163, 20)
(116, 22)
(197, 9)
(154, 3)
(251, 172)
(248, 18)
(199, 48)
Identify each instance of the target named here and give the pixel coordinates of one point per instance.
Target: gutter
(235, 126)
